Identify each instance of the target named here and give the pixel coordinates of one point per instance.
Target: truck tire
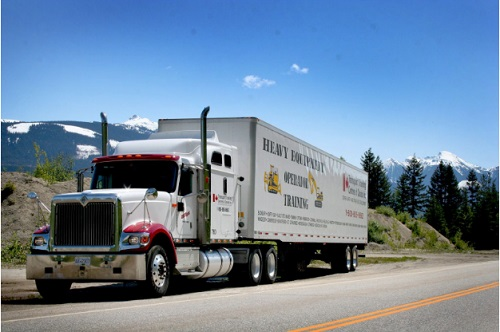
(54, 291)
(354, 258)
(254, 267)
(341, 262)
(158, 272)
(270, 268)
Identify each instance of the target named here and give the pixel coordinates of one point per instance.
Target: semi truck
(203, 198)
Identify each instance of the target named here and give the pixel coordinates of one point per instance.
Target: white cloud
(255, 82)
(295, 68)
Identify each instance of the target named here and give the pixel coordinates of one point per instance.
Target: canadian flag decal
(346, 182)
(215, 198)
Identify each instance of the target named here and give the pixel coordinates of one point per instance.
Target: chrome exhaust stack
(204, 230)
(104, 132)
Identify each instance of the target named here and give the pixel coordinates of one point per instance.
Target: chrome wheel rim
(159, 270)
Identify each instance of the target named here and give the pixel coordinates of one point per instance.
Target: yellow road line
(393, 310)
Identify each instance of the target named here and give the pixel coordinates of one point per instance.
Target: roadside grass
(14, 252)
(370, 260)
(385, 260)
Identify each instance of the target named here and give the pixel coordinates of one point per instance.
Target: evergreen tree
(485, 227)
(379, 190)
(472, 188)
(414, 182)
(468, 207)
(443, 191)
(434, 216)
(402, 194)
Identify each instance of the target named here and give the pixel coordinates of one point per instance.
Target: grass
(385, 260)
(371, 260)
(14, 252)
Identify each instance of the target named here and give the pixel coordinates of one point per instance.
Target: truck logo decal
(215, 198)
(84, 200)
(314, 188)
(271, 181)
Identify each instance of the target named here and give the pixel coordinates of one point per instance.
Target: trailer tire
(354, 258)
(53, 291)
(254, 267)
(270, 266)
(342, 260)
(158, 272)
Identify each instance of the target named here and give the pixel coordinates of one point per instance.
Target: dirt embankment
(20, 215)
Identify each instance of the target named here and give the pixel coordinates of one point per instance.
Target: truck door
(223, 198)
(186, 219)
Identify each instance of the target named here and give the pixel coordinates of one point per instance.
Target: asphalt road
(437, 293)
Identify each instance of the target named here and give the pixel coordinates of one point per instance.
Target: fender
(155, 231)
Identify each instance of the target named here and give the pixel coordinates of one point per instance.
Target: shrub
(53, 170)
(8, 190)
(385, 210)
(375, 232)
(14, 252)
(404, 217)
(459, 243)
(415, 228)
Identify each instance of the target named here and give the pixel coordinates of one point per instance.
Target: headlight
(38, 241)
(134, 240)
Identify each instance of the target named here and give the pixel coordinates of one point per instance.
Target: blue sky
(401, 77)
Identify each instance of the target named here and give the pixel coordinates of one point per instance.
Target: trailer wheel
(54, 291)
(342, 260)
(158, 272)
(254, 268)
(354, 258)
(270, 266)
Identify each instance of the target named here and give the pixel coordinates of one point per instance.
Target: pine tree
(379, 190)
(472, 188)
(415, 182)
(443, 191)
(402, 194)
(485, 227)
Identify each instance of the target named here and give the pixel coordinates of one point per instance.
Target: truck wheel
(54, 291)
(158, 272)
(254, 268)
(342, 260)
(354, 258)
(270, 266)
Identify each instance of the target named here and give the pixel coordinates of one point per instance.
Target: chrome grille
(89, 225)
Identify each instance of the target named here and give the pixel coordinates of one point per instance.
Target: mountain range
(82, 141)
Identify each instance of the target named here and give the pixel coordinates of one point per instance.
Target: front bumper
(83, 267)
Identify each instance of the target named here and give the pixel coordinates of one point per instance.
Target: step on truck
(203, 198)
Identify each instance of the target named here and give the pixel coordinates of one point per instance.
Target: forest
(467, 215)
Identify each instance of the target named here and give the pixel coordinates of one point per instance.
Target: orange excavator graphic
(271, 181)
(314, 188)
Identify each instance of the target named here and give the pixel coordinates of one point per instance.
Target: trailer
(204, 198)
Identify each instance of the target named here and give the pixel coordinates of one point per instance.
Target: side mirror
(202, 198)
(32, 195)
(151, 194)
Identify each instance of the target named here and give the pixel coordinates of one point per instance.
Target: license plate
(82, 261)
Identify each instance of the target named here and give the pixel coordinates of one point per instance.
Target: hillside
(20, 216)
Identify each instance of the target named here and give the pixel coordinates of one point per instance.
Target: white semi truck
(203, 198)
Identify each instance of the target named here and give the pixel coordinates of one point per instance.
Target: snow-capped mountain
(461, 168)
(138, 123)
(82, 142)
(79, 140)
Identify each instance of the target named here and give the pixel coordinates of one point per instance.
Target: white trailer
(202, 199)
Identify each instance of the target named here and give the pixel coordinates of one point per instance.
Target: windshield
(158, 174)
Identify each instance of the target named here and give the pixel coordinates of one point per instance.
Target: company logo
(271, 180)
(84, 200)
(315, 189)
(215, 198)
